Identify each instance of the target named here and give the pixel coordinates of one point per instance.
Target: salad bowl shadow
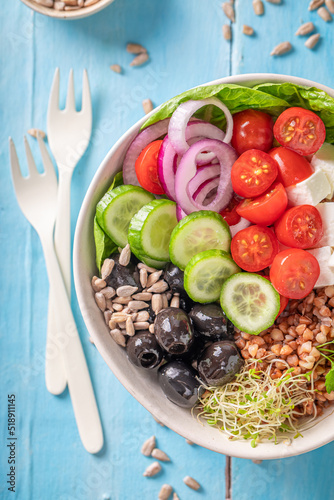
(143, 384)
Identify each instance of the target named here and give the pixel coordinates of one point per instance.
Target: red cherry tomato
(300, 130)
(294, 273)
(292, 168)
(147, 168)
(300, 227)
(284, 301)
(267, 208)
(253, 173)
(230, 212)
(254, 248)
(252, 130)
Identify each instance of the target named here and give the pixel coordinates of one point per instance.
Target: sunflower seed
(227, 33)
(141, 325)
(152, 469)
(158, 287)
(34, 132)
(143, 277)
(98, 284)
(151, 328)
(274, 1)
(281, 48)
(258, 7)
(117, 307)
(140, 59)
(135, 48)
(160, 455)
(156, 303)
(229, 11)
(158, 422)
(125, 256)
(147, 106)
(112, 324)
(127, 311)
(122, 300)
(71, 2)
(148, 446)
(109, 305)
(330, 5)
(305, 29)
(324, 14)
(107, 267)
(153, 278)
(118, 337)
(165, 492)
(149, 269)
(247, 30)
(107, 316)
(146, 296)
(175, 302)
(130, 329)
(136, 305)
(108, 292)
(192, 483)
(312, 41)
(119, 317)
(189, 442)
(314, 4)
(59, 5)
(141, 316)
(175, 497)
(126, 290)
(101, 301)
(164, 301)
(116, 68)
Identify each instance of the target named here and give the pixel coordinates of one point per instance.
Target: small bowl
(70, 14)
(143, 385)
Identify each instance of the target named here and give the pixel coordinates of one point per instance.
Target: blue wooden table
(186, 48)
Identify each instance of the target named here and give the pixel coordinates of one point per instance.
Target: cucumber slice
(250, 302)
(197, 232)
(206, 272)
(150, 229)
(117, 207)
(157, 264)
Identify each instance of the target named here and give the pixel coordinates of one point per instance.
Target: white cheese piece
(327, 214)
(324, 160)
(310, 191)
(323, 256)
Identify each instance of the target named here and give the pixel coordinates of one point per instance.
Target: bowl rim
(70, 14)
(241, 449)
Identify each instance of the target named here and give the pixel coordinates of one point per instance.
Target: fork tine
(70, 100)
(86, 106)
(30, 159)
(47, 162)
(15, 166)
(54, 94)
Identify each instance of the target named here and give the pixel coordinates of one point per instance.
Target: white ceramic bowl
(143, 384)
(70, 14)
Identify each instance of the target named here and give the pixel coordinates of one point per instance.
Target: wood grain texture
(186, 48)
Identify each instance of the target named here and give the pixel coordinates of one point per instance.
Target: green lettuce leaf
(329, 381)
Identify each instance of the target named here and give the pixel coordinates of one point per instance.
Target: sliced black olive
(210, 321)
(219, 363)
(179, 383)
(173, 330)
(143, 350)
(186, 303)
(123, 275)
(174, 277)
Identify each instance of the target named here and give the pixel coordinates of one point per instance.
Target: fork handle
(78, 378)
(55, 376)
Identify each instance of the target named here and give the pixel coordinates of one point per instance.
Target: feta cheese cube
(310, 191)
(323, 256)
(326, 211)
(324, 160)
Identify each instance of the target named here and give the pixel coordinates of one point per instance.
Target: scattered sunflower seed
(109, 305)
(175, 497)
(147, 106)
(125, 256)
(151, 328)
(156, 303)
(160, 455)
(100, 301)
(130, 329)
(116, 68)
(324, 14)
(229, 11)
(164, 301)
(148, 446)
(107, 316)
(112, 324)
(312, 41)
(98, 284)
(135, 48)
(146, 296)
(141, 325)
(136, 305)
(158, 287)
(140, 59)
(192, 483)
(107, 267)
(143, 277)
(165, 492)
(117, 307)
(258, 7)
(108, 292)
(149, 269)
(175, 302)
(152, 469)
(314, 4)
(34, 132)
(59, 5)
(153, 278)
(305, 29)
(247, 30)
(281, 48)
(141, 316)
(118, 337)
(126, 290)
(122, 300)
(330, 5)
(227, 33)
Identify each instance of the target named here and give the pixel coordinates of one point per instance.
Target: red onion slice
(180, 214)
(140, 142)
(242, 224)
(187, 170)
(205, 191)
(183, 113)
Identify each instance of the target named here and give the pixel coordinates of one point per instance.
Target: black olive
(174, 277)
(123, 275)
(173, 330)
(219, 363)
(210, 321)
(186, 303)
(143, 350)
(179, 383)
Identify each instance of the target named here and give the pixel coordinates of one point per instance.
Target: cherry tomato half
(300, 227)
(300, 130)
(230, 212)
(284, 301)
(253, 173)
(147, 168)
(254, 248)
(292, 167)
(294, 273)
(267, 208)
(252, 130)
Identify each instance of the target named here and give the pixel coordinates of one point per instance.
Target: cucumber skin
(189, 218)
(136, 225)
(109, 196)
(237, 324)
